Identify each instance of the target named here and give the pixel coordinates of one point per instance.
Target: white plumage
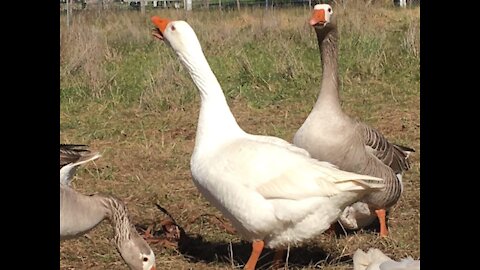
(374, 259)
(271, 190)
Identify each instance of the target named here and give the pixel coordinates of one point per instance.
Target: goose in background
(80, 213)
(374, 259)
(273, 192)
(329, 134)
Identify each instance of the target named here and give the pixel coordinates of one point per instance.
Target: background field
(127, 95)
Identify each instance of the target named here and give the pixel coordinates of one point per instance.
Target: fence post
(188, 5)
(69, 13)
(142, 6)
(401, 3)
(238, 4)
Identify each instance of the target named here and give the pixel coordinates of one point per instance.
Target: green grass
(128, 96)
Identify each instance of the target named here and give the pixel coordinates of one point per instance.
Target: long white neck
(216, 122)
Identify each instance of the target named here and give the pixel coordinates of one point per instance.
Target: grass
(127, 95)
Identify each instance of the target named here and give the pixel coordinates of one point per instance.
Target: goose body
(329, 134)
(374, 259)
(273, 192)
(80, 213)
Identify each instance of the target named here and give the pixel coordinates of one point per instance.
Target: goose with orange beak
(329, 134)
(161, 25)
(273, 192)
(321, 15)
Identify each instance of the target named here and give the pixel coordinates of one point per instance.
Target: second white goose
(374, 259)
(274, 194)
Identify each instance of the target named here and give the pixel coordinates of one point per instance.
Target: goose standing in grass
(273, 192)
(80, 213)
(374, 259)
(329, 134)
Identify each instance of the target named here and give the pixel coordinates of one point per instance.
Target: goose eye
(329, 10)
(173, 28)
(145, 259)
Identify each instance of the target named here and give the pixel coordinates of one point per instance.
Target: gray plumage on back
(72, 156)
(70, 153)
(393, 155)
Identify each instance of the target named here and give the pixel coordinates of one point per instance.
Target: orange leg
(257, 247)
(383, 224)
(278, 259)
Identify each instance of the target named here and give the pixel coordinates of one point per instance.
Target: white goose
(80, 213)
(274, 194)
(374, 259)
(329, 134)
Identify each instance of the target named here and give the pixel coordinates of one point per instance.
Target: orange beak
(161, 25)
(318, 17)
(153, 268)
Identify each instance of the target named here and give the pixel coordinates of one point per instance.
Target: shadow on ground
(196, 249)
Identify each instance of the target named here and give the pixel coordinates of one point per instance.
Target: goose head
(178, 34)
(137, 253)
(322, 18)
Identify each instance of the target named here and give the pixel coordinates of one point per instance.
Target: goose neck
(118, 215)
(329, 94)
(216, 121)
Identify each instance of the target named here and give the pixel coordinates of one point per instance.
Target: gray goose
(329, 134)
(80, 213)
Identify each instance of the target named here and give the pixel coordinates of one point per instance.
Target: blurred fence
(202, 4)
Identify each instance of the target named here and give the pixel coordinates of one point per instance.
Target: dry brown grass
(129, 98)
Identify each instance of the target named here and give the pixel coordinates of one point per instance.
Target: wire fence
(206, 4)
